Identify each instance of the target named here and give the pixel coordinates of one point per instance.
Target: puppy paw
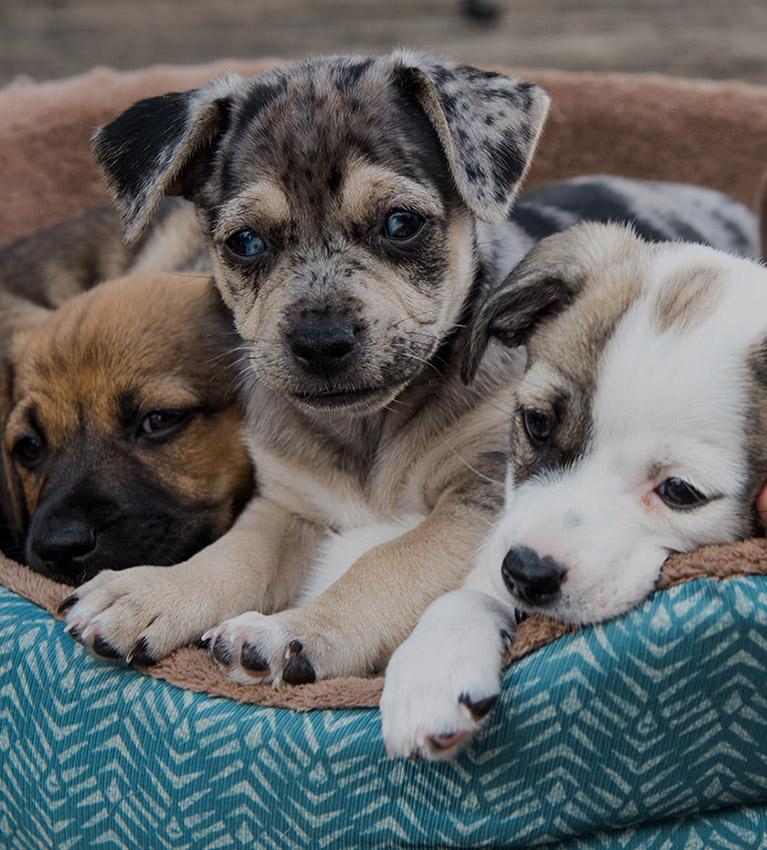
(442, 682)
(255, 648)
(138, 615)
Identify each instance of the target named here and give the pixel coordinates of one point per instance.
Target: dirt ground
(697, 38)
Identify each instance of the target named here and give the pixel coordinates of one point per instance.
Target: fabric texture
(655, 716)
(192, 668)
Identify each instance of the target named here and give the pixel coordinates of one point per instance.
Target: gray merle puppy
(355, 210)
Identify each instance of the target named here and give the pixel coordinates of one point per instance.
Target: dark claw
(298, 670)
(139, 656)
(520, 616)
(478, 708)
(251, 659)
(295, 647)
(102, 647)
(222, 651)
(67, 603)
(202, 644)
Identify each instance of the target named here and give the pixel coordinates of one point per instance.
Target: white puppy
(638, 432)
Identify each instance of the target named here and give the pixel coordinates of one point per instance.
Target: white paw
(442, 682)
(139, 615)
(255, 648)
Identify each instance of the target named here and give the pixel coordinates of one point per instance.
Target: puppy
(636, 431)
(355, 210)
(123, 436)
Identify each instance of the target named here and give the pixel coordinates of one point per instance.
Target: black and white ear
(488, 125)
(544, 284)
(512, 314)
(147, 151)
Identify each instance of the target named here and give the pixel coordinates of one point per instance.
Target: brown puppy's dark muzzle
(62, 544)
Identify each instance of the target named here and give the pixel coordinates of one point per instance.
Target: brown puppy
(122, 441)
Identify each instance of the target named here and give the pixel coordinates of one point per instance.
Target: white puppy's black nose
(530, 577)
(323, 349)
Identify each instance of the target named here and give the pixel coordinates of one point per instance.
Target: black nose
(60, 545)
(531, 578)
(323, 349)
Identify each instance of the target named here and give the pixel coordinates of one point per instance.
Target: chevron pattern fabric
(629, 726)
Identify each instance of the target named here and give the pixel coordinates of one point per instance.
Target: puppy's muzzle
(62, 546)
(530, 577)
(323, 349)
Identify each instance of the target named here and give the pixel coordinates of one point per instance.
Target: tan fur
(264, 202)
(367, 186)
(687, 298)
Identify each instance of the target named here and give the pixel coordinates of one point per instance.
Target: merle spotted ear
(488, 125)
(146, 151)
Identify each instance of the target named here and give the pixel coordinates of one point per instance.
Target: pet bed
(649, 731)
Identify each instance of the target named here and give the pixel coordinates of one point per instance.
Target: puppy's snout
(323, 349)
(61, 545)
(530, 577)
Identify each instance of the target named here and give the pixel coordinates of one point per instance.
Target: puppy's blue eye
(246, 243)
(403, 224)
(680, 495)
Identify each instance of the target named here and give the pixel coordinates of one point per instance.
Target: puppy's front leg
(355, 625)
(444, 679)
(144, 613)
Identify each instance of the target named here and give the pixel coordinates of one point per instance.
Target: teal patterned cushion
(659, 715)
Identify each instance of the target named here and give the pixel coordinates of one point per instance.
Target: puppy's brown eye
(29, 451)
(246, 243)
(403, 224)
(538, 426)
(680, 495)
(162, 424)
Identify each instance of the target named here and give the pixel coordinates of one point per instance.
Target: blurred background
(720, 39)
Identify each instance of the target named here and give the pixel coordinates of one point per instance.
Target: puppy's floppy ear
(13, 513)
(540, 287)
(148, 150)
(16, 316)
(548, 280)
(488, 125)
(512, 314)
